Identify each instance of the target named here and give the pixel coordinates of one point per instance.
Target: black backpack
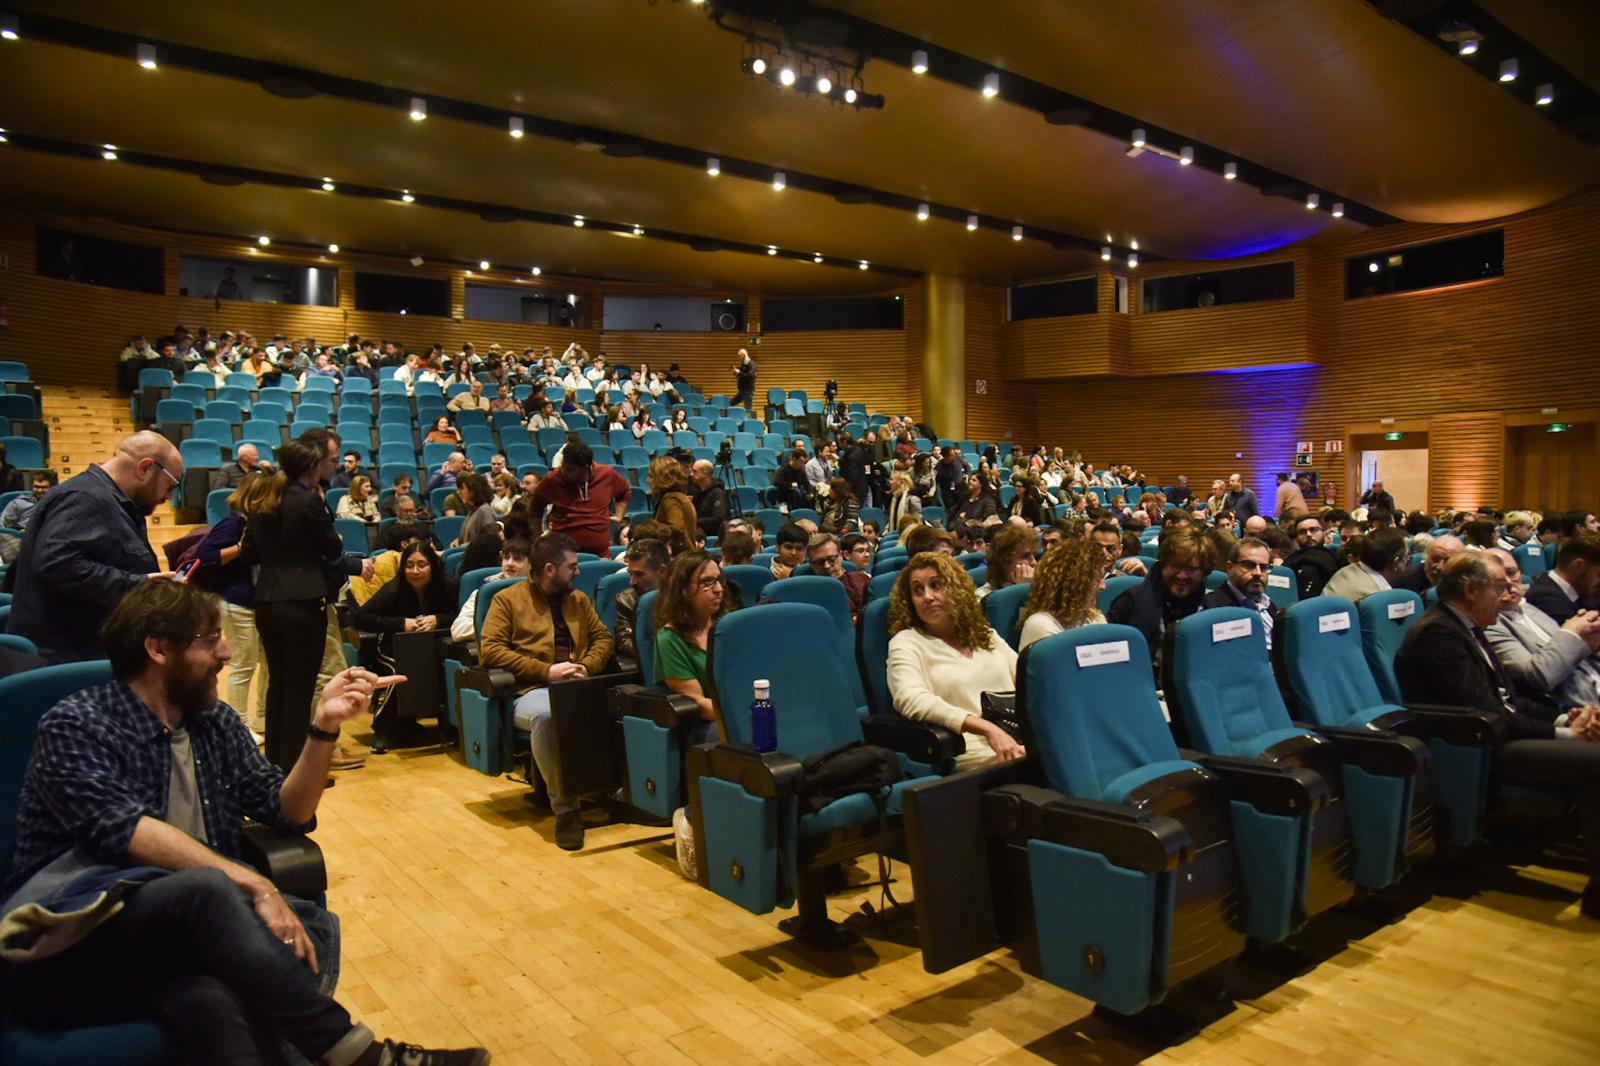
(845, 771)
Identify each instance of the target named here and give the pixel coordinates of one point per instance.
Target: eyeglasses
(823, 561)
(165, 471)
(706, 584)
(207, 640)
(1245, 564)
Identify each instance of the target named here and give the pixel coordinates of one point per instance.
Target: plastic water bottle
(763, 719)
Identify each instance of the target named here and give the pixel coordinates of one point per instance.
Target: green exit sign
(1394, 436)
(1557, 427)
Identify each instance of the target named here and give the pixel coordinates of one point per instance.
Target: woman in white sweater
(1065, 587)
(943, 655)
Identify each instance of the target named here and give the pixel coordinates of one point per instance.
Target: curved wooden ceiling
(1327, 90)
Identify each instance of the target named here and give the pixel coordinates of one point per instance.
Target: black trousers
(188, 951)
(292, 636)
(745, 398)
(1572, 763)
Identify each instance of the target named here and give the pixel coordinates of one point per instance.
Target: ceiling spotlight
(850, 95)
(638, 230)
(1338, 209)
(483, 264)
(1546, 95)
(419, 109)
(1230, 171)
(108, 152)
(863, 265)
(713, 166)
(1186, 156)
(1312, 200)
(327, 185)
(779, 180)
(922, 212)
(1133, 243)
(824, 84)
(1133, 260)
(1468, 46)
(817, 258)
(146, 54)
(577, 220)
(1508, 70)
(263, 240)
(406, 197)
(514, 126)
(919, 62)
(334, 248)
(1373, 267)
(416, 261)
(1016, 233)
(1138, 137)
(772, 249)
(786, 75)
(991, 84)
(8, 27)
(758, 65)
(1105, 253)
(3, 138)
(536, 271)
(972, 223)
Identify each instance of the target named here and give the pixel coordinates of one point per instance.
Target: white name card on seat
(1403, 609)
(1333, 623)
(1115, 651)
(1222, 631)
(1278, 581)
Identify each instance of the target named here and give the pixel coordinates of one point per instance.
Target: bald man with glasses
(86, 547)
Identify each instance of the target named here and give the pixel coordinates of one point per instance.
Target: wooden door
(1549, 471)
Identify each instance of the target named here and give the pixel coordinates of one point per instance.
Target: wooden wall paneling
(1002, 412)
(1269, 333)
(1464, 451)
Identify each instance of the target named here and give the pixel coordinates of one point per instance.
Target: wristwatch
(331, 736)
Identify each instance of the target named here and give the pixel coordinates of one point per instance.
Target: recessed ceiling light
(772, 249)
(817, 258)
(758, 65)
(405, 195)
(1546, 95)
(1133, 260)
(824, 84)
(786, 75)
(1134, 243)
(713, 166)
(333, 248)
(146, 54)
(536, 271)
(1338, 209)
(8, 27)
(638, 230)
(972, 223)
(1373, 267)
(419, 109)
(1230, 171)
(1105, 253)
(1186, 156)
(3, 138)
(1467, 47)
(327, 185)
(780, 180)
(1016, 233)
(514, 126)
(864, 264)
(577, 220)
(108, 152)
(1508, 70)
(483, 264)
(919, 62)
(263, 240)
(850, 95)
(991, 84)
(922, 212)
(1138, 137)
(1312, 200)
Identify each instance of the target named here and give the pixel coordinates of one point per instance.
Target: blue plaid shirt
(103, 760)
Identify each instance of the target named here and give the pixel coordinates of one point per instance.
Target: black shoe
(569, 831)
(380, 745)
(392, 1053)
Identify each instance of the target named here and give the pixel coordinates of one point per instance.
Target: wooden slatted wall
(1002, 412)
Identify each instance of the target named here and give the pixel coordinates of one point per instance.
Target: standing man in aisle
(746, 375)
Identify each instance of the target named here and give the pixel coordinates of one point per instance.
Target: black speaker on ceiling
(727, 317)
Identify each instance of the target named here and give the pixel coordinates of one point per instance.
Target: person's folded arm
(913, 698)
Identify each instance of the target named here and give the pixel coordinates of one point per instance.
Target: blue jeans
(532, 712)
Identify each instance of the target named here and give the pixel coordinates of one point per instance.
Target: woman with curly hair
(690, 602)
(1065, 586)
(669, 485)
(943, 654)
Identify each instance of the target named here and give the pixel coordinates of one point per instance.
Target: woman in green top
(688, 606)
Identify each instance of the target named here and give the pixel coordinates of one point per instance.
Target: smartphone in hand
(185, 570)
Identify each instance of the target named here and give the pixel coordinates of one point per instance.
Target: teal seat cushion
(1116, 791)
(854, 810)
(131, 1044)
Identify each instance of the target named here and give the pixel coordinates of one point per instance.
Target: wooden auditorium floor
(464, 924)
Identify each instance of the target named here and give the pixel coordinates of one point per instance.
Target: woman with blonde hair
(674, 508)
(358, 502)
(1065, 587)
(505, 494)
(943, 655)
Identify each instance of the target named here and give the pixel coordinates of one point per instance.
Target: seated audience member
(443, 432)
(793, 487)
(513, 563)
(420, 598)
(674, 508)
(921, 539)
(646, 560)
(544, 632)
(710, 499)
(200, 941)
(688, 605)
(1013, 554)
(1031, 503)
(450, 472)
(1181, 493)
(1108, 538)
(1312, 562)
(1380, 563)
(1479, 534)
(505, 493)
(230, 475)
(402, 488)
(20, 510)
(1553, 662)
(1441, 550)
(546, 418)
(471, 400)
(738, 548)
(791, 542)
(359, 503)
(1248, 567)
(1518, 526)
(1574, 584)
(1065, 585)
(477, 501)
(584, 499)
(979, 504)
(858, 549)
(827, 560)
(943, 655)
(347, 473)
(1445, 658)
(1174, 589)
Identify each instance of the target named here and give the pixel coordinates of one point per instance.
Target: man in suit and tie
(1542, 657)
(1248, 566)
(1572, 586)
(1380, 566)
(1447, 659)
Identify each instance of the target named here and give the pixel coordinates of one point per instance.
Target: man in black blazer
(1248, 566)
(1446, 659)
(1572, 586)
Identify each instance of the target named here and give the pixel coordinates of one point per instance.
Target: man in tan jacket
(544, 632)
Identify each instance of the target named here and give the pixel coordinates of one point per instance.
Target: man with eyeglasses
(827, 560)
(1248, 566)
(1174, 589)
(1313, 564)
(86, 547)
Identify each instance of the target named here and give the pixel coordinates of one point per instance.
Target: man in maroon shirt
(584, 498)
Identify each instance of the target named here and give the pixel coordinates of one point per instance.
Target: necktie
(1503, 681)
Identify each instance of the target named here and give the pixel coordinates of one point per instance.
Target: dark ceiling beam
(1574, 107)
(220, 173)
(303, 83)
(818, 28)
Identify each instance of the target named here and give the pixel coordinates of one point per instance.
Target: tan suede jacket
(519, 635)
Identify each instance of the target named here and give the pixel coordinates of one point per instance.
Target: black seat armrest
(458, 651)
(1467, 726)
(489, 681)
(1269, 787)
(1127, 837)
(770, 775)
(1386, 754)
(293, 862)
(921, 741)
(665, 709)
